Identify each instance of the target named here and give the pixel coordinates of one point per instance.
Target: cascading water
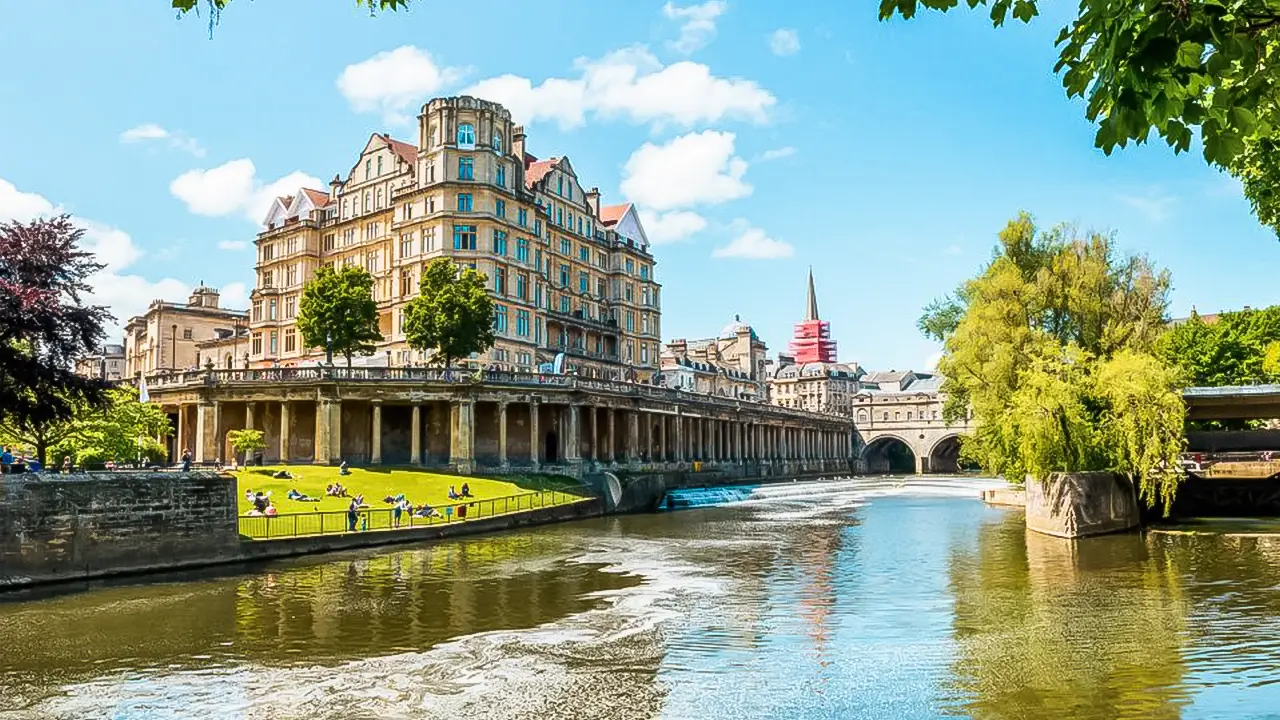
(851, 489)
(700, 497)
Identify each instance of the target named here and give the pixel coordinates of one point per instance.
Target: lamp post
(173, 347)
(328, 348)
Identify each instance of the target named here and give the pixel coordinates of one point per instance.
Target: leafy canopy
(1050, 348)
(452, 316)
(44, 322)
(337, 312)
(1169, 67)
(121, 429)
(247, 440)
(1233, 350)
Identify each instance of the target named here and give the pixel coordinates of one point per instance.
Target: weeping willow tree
(1050, 345)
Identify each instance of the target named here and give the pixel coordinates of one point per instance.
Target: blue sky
(885, 155)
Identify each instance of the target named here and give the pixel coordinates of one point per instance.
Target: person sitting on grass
(466, 491)
(426, 511)
(343, 470)
(336, 490)
(301, 497)
(453, 494)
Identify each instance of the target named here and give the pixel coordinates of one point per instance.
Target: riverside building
(568, 274)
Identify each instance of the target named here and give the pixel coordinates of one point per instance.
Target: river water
(866, 598)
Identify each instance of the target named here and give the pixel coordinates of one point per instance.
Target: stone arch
(944, 454)
(889, 454)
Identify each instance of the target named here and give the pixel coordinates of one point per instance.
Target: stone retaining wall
(1075, 505)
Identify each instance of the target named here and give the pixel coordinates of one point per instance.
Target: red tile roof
(611, 214)
(318, 198)
(285, 201)
(538, 169)
(408, 152)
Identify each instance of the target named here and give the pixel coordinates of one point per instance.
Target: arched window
(377, 203)
(466, 136)
(862, 416)
(497, 143)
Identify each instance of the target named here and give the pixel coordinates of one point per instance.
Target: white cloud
(233, 244)
(124, 294)
(633, 85)
(233, 187)
(697, 24)
(1155, 206)
(784, 41)
(392, 82)
(754, 244)
(931, 362)
(670, 227)
(151, 132)
(777, 153)
(697, 168)
(234, 295)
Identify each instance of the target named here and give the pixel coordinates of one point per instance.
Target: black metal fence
(286, 525)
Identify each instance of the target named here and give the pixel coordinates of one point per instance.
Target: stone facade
(64, 527)
(166, 336)
(106, 365)
(731, 364)
(1076, 505)
(490, 421)
(568, 274)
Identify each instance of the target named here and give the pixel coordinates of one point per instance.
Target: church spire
(812, 313)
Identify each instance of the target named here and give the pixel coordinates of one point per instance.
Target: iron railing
(331, 522)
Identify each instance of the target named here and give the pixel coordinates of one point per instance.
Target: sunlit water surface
(867, 598)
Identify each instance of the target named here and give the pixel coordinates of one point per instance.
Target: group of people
(455, 495)
(261, 502)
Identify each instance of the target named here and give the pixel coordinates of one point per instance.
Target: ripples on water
(864, 598)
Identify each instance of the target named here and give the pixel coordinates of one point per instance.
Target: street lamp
(328, 348)
(173, 347)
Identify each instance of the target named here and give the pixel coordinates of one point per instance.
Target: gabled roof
(407, 152)
(286, 201)
(611, 214)
(536, 169)
(318, 198)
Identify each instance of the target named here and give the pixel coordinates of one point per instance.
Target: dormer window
(466, 137)
(497, 143)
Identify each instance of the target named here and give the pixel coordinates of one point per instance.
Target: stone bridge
(495, 422)
(903, 432)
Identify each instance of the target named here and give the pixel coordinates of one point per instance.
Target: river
(864, 598)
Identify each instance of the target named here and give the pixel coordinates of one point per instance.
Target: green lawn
(489, 497)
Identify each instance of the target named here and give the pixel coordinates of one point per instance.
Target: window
(466, 169)
(537, 227)
(564, 303)
(348, 236)
(560, 185)
(274, 336)
(631, 321)
(584, 281)
(291, 275)
(566, 247)
(268, 252)
(464, 237)
(406, 282)
(537, 330)
(502, 176)
(187, 334)
(368, 172)
(644, 324)
(560, 217)
(500, 281)
(499, 243)
(291, 246)
(371, 262)
(564, 275)
(271, 310)
(328, 242)
(406, 244)
(466, 137)
(537, 260)
(644, 272)
(522, 217)
(522, 323)
(522, 286)
(368, 200)
(266, 279)
(522, 250)
(428, 240)
(497, 143)
(584, 254)
(256, 344)
(377, 202)
(631, 266)
(379, 165)
(644, 354)
(290, 307)
(500, 319)
(290, 341)
(500, 208)
(464, 202)
(408, 211)
(630, 294)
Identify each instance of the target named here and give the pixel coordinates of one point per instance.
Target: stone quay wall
(67, 527)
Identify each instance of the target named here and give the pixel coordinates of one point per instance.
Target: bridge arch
(889, 454)
(944, 454)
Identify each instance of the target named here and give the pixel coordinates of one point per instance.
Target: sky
(758, 139)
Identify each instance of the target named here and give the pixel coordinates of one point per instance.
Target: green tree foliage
(1231, 351)
(121, 430)
(337, 312)
(1050, 347)
(1169, 67)
(44, 322)
(247, 441)
(452, 317)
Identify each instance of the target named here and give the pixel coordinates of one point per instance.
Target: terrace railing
(336, 522)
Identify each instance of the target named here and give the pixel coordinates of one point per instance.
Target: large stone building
(166, 336)
(731, 364)
(106, 364)
(809, 378)
(568, 274)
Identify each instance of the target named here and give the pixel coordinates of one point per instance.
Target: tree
(247, 441)
(1050, 346)
(337, 312)
(44, 322)
(1173, 68)
(215, 7)
(120, 429)
(1231, 351)
(452, 316)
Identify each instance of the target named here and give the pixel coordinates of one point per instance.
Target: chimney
(517, 142)
(593, 202)
(335, 185)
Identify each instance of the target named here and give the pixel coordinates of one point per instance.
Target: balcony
(581, 352)
(578, 318)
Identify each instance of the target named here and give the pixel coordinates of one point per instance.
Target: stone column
(662, 438)
(680, 434)
(919, 465)
(180, 444)
(502, 434)
(415, 439)
(462, 436)
(285, 432)
(203, 411)
(323, 435)
(594, 413)
(612, 455)
(216, 428)
(335, 431)
(633, 435)
(573, 439)
(535, 439)
(248, 416)
(375, 453)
